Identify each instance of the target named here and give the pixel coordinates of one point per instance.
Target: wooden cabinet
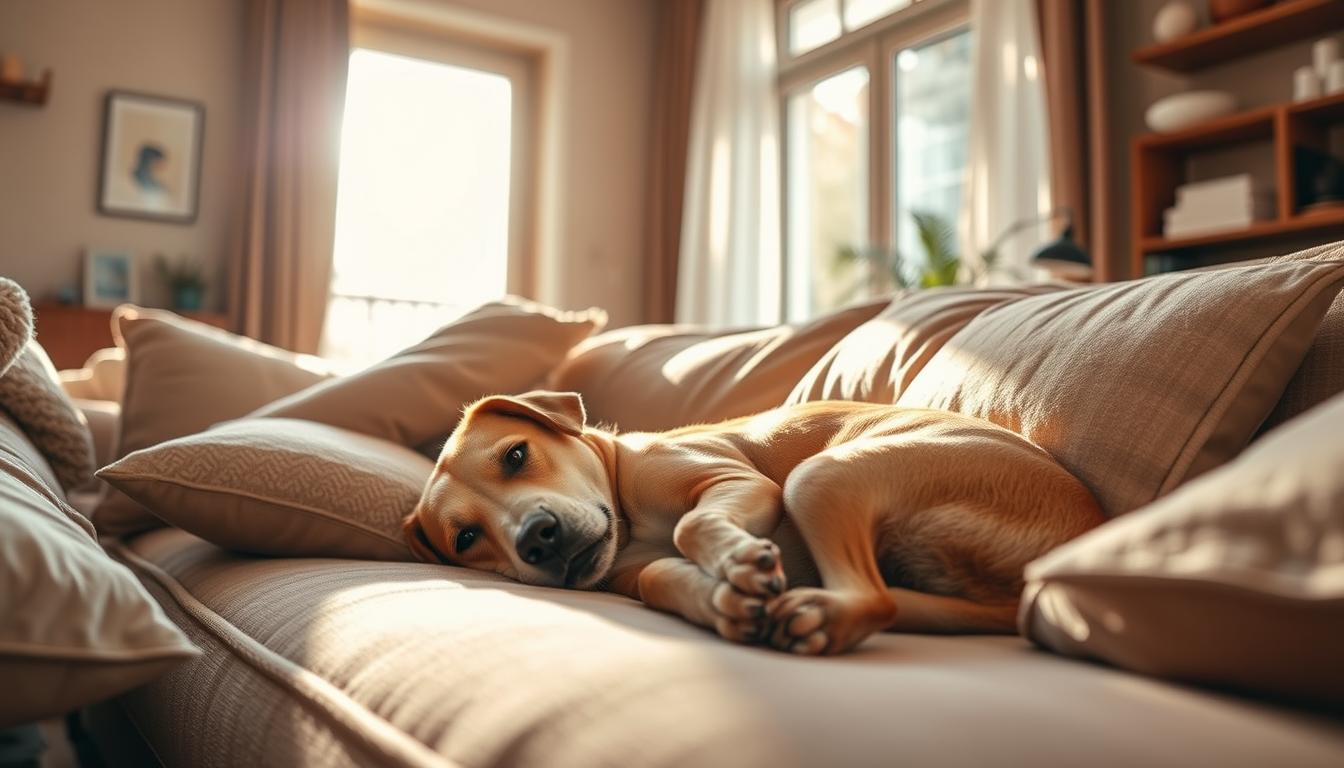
(69, 334)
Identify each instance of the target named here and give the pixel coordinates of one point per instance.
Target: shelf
(1264, 230)
(33, 92)
(1239, 127)
(1284, 22)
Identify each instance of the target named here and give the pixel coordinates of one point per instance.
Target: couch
(325, 661)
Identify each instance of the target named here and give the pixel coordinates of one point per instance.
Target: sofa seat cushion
(342, 662)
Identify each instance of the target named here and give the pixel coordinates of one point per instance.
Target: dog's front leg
(722, 533)
(677, 585)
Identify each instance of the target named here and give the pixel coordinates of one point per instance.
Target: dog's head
(520, 491)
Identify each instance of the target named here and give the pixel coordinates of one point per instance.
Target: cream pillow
(1136, 387)
(1235, 580)
(418, 394)
(658, 377)
(875, 362)
(181, 377)
(280, 487)
(75, 626)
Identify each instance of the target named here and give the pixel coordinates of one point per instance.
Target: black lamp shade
(1064, 257)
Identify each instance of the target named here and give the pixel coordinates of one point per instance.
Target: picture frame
(110, 278)
(151, 163)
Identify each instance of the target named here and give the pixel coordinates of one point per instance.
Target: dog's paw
(822, 621)
(755, 568)
(738, 616)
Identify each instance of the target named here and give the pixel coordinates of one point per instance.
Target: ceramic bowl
(1183, 110)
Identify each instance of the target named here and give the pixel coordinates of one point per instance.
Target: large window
(876, 102)
(424, 212)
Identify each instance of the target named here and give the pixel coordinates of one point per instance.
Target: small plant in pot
(185, 280)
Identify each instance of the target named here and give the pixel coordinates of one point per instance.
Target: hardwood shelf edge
(1189, 53)
(1262, 230)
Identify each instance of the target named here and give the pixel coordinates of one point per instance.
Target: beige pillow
(1321, 375)
(878, 360)
(658, 377)
(1235, 580)
(1136, 387)
(75, 626)
(418, 394)
(181, 377)
(280, 487)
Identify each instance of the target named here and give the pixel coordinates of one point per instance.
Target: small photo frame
(109, 278)
(151, 157)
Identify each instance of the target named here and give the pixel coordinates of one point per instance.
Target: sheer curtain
(1008, 170)
(729, 268)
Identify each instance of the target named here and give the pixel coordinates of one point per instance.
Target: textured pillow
(1136, 387)
(75, 626)
(1235, 580)
(878, 360)
(280, 487)
(657, 377)
(181, 377)
(31, 393)
(418, 394)
(1321, 375)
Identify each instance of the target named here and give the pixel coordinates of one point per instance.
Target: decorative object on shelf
(1306, 84)
(11, 67)
(109, 278)
(151, 157)
(1218, 205)
(1177, 18)
(1324, 52)
(1222, 10)
(1183, 110)
(1334, 79)
(185, 279)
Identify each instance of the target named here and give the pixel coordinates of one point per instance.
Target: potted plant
(185, 280)
(886, 269)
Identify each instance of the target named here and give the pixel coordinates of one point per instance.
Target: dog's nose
(538, 540)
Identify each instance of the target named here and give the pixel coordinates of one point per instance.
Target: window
(425, 205)
(876, 105)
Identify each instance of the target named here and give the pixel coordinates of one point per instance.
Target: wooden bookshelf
(34, 92)
(1284, 22)
(1159, 162)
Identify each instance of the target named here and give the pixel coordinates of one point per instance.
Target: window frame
(874, 46)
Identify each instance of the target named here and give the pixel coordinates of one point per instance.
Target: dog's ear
(560, 411)
(418, 540)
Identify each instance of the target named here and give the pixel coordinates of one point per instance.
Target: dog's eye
(465, 538)
(515, 457)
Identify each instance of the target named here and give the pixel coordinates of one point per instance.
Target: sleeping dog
(807, 528)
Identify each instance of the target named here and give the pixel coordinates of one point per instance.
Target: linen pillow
(878, 360)
(75, 626)
(658, 377)
(1136, 387)
(280, 487)
(1321, 375)
(418, 394)
(1235, 580)
(181, 377)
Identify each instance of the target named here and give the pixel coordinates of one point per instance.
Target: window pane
(860, 12)
(813, 23)
(827, 191)
(422, 207)
(932, 104)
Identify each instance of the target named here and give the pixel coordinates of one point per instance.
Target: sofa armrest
(103, 377)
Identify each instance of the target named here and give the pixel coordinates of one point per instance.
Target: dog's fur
(807, 528)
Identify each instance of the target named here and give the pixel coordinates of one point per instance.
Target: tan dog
(887, 518)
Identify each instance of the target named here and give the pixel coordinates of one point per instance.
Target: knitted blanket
(30, 392)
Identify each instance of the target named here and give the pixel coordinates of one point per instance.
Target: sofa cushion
(1321, 375)
(280, 487)
(75, 626)
(1136, 387)
(875, 362)
(336, 662)
(1235, 580)
(418, 394)
(658, 377)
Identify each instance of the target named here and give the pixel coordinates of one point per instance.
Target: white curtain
(1008, 171)
(729, 267)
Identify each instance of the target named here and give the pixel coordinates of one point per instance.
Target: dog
(807, 528)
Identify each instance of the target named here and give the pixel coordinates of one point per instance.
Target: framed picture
(109, 278)
(151, 157)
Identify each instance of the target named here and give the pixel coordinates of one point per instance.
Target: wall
(49, 156)
(1258, 80)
